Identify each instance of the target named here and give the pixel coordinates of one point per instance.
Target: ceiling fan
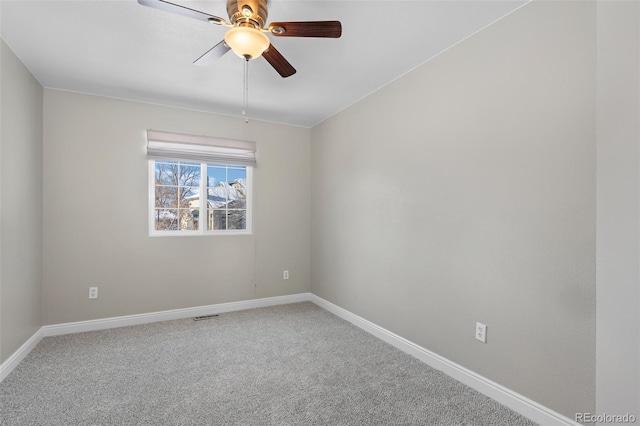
(247, 27)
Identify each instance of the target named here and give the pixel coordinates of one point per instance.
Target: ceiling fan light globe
(246, 42)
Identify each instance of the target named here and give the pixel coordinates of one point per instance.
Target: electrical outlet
(481, 332)
(93, 292)
(285, 275)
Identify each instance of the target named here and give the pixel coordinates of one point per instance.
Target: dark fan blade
(278, 62)
(212, 54)
(330, 29)
(181, 10)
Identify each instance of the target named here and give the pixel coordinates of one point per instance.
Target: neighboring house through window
(177, 182)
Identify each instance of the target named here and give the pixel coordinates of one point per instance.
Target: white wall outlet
(93, 292)
(285, 275)
(481, 332)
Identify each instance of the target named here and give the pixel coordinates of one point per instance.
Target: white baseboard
(101, 324)
(523, 405)
(507, 397)
(12, 362)
(127, 320)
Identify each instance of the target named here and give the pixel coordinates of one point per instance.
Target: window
(179, 206)
(196, 197)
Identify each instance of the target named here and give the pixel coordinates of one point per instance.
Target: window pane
(166, 196)
(235, 173)
(166, 219)
(189, 197)
(166, 173)
(217, 220)
(189, 174)
(218, 196)
(237, 219)
(188, 219)
(237, 199)
(237, 188)
(215, 175)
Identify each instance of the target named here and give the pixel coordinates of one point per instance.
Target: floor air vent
(205, 317)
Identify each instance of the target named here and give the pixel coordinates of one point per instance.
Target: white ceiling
(118, 48)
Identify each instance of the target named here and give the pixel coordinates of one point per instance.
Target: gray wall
(465, 191)
(618, 251)
(96, 214)
(20, 203)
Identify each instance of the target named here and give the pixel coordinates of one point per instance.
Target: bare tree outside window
(175, 185)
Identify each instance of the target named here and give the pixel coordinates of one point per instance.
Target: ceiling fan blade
(278, 62)
(330, 29)
(213, 54)
(181, 10)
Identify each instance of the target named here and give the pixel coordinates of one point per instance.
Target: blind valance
(203, 149)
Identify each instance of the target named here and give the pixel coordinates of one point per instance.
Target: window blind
(202, 149)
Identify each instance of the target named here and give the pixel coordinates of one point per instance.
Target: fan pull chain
(245, 95)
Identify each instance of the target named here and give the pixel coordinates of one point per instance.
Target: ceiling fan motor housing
(239, 15)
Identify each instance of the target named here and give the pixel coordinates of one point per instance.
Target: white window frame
(201, 231)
